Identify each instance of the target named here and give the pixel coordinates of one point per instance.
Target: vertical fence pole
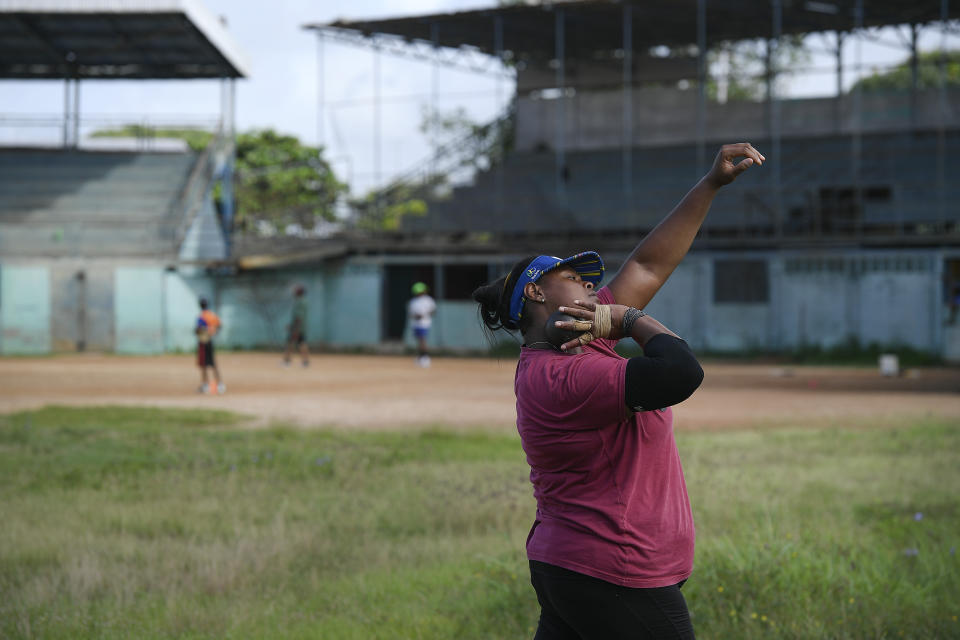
(627, 133)
(498, 157)
(775, 123)
(560, 143)
(838, 110)
(942, 119)
(435, 91)
(320, 90)
(856, 146)
(701, 86)
(66, 112)
(376, 127)
(75, 142)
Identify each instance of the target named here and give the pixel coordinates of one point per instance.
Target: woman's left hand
(586, 312)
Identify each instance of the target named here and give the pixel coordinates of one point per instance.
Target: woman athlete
(612, 542)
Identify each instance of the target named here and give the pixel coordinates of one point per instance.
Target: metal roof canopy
(595, 27)
(115, 39)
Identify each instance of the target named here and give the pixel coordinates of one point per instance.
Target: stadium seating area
(900, 180)
(63, 203)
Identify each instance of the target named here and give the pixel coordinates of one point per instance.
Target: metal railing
(190, 200)
(454, 164)
(48, 130)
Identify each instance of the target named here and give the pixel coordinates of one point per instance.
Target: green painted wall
(138, 308)
(456, 325)
(255, 308)
(351, 311)
(182, 293)
(24, 309)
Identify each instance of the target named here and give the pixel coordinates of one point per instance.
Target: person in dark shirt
(297, 329)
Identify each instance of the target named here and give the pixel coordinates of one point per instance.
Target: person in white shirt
(420, 311)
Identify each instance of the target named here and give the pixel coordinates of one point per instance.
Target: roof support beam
(53, 53)
(465, 58)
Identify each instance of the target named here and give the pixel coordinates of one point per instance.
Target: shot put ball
(555, 334)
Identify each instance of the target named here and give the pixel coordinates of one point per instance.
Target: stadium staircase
(56, 203)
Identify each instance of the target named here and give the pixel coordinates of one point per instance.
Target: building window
(841, 208)
(459, 280)
(740, 281)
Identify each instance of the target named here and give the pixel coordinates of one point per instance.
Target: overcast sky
(282, 91)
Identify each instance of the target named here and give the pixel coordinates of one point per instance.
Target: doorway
(396, 294)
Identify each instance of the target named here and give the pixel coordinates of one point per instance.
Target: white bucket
(889, 364)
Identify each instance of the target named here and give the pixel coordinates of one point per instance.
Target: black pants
(574, 606)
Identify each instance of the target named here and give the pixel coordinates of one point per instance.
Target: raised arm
(659, 253)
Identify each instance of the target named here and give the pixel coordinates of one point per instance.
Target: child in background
(207, 326)
(420, 310)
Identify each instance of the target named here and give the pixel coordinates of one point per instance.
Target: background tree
(462, 148)
(385, 209)
(196, 139)
(278, 181)
(738, 69)
(475, 145)
(899, 78)
(281, 181)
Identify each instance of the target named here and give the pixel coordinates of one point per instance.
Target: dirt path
(388, 392)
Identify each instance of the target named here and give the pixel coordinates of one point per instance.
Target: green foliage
(899, 78)
(852, 352)
(281, 181)
(385, 211)
(278, 180)
(460, 145)
(835, 533)
(131, 522)
(849, 353)
(196, 139)
(485, 142)
(743, 65)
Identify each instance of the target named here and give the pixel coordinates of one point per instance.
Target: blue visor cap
(588, 264)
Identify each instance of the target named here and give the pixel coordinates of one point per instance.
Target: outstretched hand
(725, 169)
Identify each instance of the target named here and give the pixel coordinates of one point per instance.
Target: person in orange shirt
(207, 326)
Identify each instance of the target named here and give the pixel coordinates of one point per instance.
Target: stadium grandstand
(104, 243)
(851, 232)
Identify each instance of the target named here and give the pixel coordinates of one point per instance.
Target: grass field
(148, 523)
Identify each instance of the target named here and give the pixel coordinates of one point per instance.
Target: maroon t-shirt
(611, 499)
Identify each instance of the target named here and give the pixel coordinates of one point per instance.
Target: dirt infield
(388, 392)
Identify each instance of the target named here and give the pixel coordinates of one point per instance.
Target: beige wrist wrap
(599, 328)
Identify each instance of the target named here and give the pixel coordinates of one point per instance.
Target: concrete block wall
(815, 311)
(455, 325)
(898, 308)
(139, 309)
(352, 314)
(815, 298)
(24, 309)
(889, 297)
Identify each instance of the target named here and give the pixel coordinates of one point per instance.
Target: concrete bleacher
(899, 178)
(76, 203)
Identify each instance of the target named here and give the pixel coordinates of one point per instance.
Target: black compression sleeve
(666, 374)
